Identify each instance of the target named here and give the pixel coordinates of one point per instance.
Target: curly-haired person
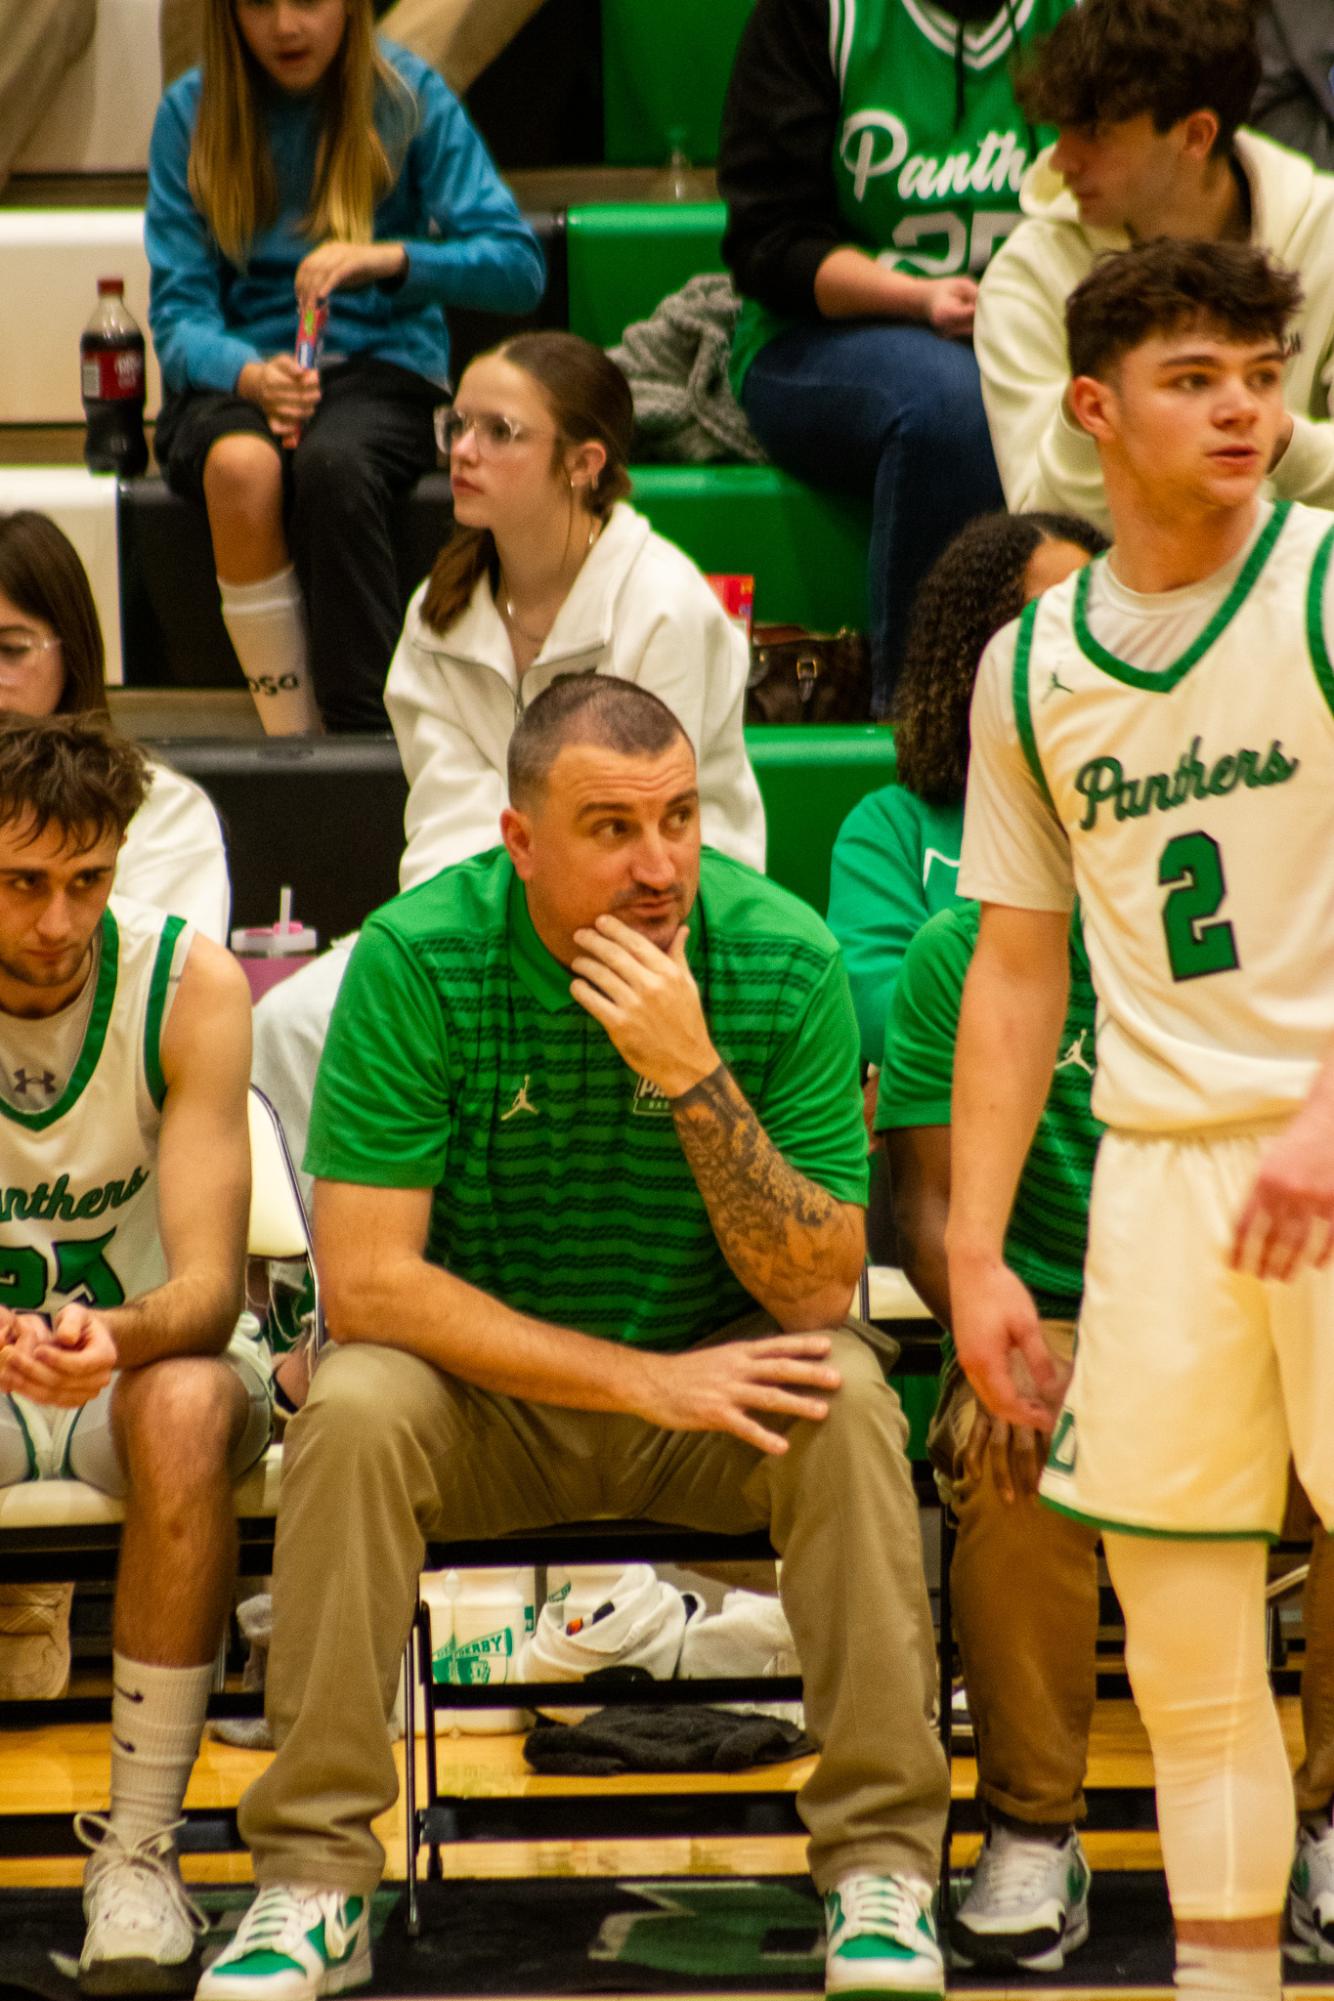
(896, 859)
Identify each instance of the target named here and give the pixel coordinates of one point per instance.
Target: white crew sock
(157, 1718)
(266, 623)
(1212, 1973)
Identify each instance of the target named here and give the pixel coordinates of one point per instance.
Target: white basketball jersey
(1198, 802)
(78, 1178)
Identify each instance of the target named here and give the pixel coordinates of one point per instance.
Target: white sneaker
(142, 1927)
(882, 1939)
(1027, 1905)
(293, 1943)
(1311, 1892)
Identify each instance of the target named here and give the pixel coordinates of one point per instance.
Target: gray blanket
(676, 363)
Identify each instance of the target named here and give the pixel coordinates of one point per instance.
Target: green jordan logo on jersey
(1102, 781)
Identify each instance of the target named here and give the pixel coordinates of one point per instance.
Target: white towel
(644, 1629)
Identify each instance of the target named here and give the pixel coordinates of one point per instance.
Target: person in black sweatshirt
(870, 161)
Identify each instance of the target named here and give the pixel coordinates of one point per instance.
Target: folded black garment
(666, 1737)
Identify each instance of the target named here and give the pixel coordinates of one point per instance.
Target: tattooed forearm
(791, 1243)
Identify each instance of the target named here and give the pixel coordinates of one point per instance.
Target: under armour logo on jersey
(23, 1083)
(522, 1103)
(1074, 1057)
(1052, 686)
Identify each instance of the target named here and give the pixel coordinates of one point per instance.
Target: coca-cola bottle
(111, 363)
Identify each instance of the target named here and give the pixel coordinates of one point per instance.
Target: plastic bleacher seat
(625, 256)
(810, 779)
(665, 71)
(52, 259)
(805, 549)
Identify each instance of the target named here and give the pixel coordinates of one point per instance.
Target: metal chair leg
(426, 1668)
(410, 1775)
(946, 1672)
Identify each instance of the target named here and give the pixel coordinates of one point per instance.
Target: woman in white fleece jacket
(549, 572)
(1045, 460)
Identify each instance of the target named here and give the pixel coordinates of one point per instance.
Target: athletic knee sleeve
(1195, 1654)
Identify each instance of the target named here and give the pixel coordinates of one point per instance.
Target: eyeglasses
(494, 435)
(17, 648)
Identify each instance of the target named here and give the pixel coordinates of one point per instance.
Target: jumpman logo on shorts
(1074, 1057)
(522, 1103)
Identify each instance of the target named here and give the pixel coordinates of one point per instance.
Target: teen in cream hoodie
(1045, 460)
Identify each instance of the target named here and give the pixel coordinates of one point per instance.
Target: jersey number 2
(1193, 865)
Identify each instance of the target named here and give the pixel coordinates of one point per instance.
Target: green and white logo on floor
(740, 1928)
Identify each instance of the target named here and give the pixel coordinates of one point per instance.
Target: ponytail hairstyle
(231, 175)
(589, 399)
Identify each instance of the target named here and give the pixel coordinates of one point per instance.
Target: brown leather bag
(798, 676)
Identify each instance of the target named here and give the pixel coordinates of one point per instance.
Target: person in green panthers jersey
(870, 159)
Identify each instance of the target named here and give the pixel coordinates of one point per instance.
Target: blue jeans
(894, 412)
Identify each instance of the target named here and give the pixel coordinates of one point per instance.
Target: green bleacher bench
(810, 778)
(623, 257)
(665, 67)
(805, 549)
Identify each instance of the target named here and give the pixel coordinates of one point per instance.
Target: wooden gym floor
(64, 1767)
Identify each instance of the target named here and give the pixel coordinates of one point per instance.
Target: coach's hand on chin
(647, 1001)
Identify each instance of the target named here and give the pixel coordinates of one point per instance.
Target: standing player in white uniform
(124, 1187)
(1157, 735)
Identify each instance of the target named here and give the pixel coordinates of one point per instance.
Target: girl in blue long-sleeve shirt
(305, 163)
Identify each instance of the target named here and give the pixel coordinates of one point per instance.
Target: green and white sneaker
(1311, 1892)
(292, 1944)
(1027, 1905)
(882, 1939)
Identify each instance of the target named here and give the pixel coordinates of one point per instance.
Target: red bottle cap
(116, 285)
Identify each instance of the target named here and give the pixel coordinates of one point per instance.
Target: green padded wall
(665, 65)
(811, 777)
(805, 550)
(623, 257)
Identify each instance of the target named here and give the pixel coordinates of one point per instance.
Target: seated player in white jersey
(1157, 735)
(124, 1057)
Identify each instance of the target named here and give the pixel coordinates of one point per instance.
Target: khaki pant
(389, 1450)
(1024, 1583)
(457, 37)
(39, 40)
(1314, 1781)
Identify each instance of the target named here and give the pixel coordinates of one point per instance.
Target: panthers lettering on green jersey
(926, 176)
(78, 1178)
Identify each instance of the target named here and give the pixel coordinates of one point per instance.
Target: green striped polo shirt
(457, 1061)
(1048, 1229)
